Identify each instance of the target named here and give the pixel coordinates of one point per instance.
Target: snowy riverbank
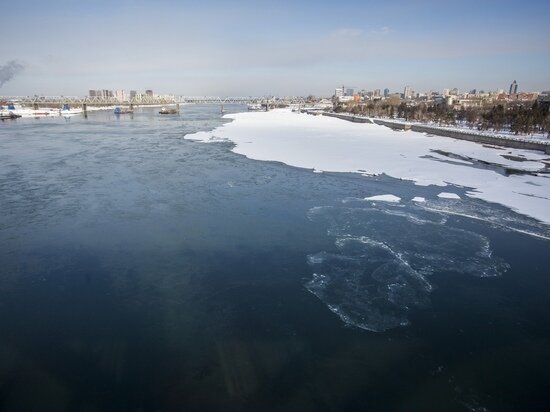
(329, 144)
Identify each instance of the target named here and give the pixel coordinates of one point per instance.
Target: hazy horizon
(282, 48)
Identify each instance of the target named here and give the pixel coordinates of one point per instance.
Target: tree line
(519, 118)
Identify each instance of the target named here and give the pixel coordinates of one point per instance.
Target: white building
(407, 93)
(120, 95)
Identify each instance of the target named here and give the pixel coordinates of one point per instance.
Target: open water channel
(141, 271)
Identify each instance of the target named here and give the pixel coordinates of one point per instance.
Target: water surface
(141, 271)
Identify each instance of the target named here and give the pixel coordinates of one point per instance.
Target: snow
(385, 198)
(418, 199)
(329, 144)
(463, 127)
(448, 195)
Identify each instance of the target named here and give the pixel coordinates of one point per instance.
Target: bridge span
(77, 101)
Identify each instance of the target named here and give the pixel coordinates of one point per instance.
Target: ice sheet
(329, 144)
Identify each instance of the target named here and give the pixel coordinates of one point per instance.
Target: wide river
(142, 271)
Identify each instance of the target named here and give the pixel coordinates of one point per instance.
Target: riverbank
(55, 111)
(455, 133)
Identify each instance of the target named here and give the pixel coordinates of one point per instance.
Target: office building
(513, 88)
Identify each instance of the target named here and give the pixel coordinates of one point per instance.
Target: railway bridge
(77, 101)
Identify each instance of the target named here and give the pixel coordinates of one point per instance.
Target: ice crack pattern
(384, 256)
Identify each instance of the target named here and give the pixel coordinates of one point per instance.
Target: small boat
(10, 115)
(119, 110)
(164, 110)
(67, 111)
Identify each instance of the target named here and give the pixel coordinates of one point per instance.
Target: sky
(277, 47)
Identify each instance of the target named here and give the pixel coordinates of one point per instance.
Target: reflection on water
(142, 271)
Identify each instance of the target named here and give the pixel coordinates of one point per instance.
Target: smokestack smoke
(9, 70)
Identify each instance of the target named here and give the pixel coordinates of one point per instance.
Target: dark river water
(142, 271)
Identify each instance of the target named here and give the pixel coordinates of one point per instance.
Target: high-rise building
(120, 95)
(91, 93)
(149, 93)
(513, 87)
(339, 92)
(376, 93)
(386, 92)
(350, 92)
(133, 94)
(407, 93)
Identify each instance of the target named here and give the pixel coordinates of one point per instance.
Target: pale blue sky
(274, 47)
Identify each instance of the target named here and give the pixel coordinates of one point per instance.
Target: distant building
(350, 92)
(386, 92)
(376, 93)
(513, 88)
(347, 99)
(454, 92)
(91, 93)
(120, 95)
(407, 93)
(544, 99)
(446, 92)
(339, 92)
(149, 93)
(524, 97)
(133, 94)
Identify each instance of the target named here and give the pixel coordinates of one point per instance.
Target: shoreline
(497, 140)
(323, 143)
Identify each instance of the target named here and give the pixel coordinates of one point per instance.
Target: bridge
(77, 101)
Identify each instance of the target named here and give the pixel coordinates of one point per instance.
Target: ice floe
(385, 198)
(448, 195)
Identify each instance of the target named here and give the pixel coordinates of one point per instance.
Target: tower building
(513, 87)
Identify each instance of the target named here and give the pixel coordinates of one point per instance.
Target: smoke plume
(8, 70)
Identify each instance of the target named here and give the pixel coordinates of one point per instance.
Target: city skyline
(233, 49)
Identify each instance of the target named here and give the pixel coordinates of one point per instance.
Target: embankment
(505, 141)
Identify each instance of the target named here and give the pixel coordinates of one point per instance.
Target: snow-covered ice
(328, 144)
(385, 198)
(418, 199)
(448, 195)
